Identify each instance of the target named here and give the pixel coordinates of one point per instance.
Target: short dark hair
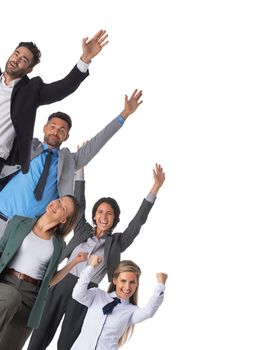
(62, 116)
(34, 49)
(114, 205)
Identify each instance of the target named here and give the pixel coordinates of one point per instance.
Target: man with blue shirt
(18, 196)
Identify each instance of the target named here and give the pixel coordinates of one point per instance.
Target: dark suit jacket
(27, 96)
(16, 231)
(115, 243)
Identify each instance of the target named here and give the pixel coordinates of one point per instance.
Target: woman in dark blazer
(30, 251)
(96, 238)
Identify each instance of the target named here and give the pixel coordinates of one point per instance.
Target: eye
(62, 132)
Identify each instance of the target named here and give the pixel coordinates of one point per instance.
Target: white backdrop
(199, 65)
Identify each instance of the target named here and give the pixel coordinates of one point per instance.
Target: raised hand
(132, 103)
(159, 178)
(161, 277)
(92, 47)
(82, 256)
(95, 260)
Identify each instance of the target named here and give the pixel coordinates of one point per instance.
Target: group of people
(42, 199)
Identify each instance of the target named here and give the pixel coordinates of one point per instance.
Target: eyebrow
(60, 127)
(63, 205)
(27, 60)
(124, 280)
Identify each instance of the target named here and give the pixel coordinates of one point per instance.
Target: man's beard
(52, 141)
(14, 72)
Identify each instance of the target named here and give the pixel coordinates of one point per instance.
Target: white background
(199, 65)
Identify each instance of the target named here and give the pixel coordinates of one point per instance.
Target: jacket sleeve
(134, 227)
(11, 226)
(82, 226)
(141, 314)
(4, 239)
(60, 89)
(94, 145)
(79, 193)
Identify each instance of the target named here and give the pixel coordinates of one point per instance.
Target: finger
(139, 94)
(102, 45)
(84, 40)
(98, 34)
(102, 38)
(133, 94)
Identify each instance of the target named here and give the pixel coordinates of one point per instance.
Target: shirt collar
(54, 150)
(123, 301)
(105, 234)
(13, 82)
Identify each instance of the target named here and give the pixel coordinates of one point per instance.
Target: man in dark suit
(20, 96)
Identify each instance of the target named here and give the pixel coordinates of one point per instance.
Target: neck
(8, 79)
(99, 233)
(44, 228)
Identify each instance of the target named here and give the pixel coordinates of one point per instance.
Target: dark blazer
(115, 243)
(16, 231)
(27, 96)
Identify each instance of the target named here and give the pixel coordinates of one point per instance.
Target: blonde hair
(126, 266)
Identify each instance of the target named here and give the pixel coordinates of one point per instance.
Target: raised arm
(81, 293)
(59, 89)
(140, 218)
(94, 145)
(154, 302)
(79, 193)
(59, 275)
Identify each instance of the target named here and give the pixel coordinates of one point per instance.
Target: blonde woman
(112, 315)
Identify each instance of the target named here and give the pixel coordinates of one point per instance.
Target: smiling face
(125, 284)
(56, 131)
(18, 64)
(60, 209)
(104, 218)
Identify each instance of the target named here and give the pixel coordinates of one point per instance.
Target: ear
(66, 137)
(63, 221)
(114, 281)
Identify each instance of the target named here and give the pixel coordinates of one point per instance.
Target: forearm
(135, 225)
(152, 306)
(60, 89)
(87, 152)
(59, 275)
(80, 291)
(155, 188)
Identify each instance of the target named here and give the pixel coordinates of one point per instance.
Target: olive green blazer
(16, 231)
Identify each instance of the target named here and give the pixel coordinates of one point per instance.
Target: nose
(127, 286)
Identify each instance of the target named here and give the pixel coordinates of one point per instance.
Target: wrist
(120, 120)
(86, 58)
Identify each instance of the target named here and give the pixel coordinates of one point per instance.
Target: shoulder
(18, 220)
(116, 235)
(65, 152)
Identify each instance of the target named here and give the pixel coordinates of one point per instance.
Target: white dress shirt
(102, 332)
